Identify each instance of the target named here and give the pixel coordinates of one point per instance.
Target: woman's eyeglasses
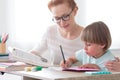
(64, 18)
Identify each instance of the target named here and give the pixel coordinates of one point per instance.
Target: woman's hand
(93, 66)
(113, 65)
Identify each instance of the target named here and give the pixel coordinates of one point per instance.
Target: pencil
(62, 54)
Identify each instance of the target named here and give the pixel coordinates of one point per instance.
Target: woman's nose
(62, 22)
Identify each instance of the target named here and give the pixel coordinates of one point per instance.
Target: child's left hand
(93, 66)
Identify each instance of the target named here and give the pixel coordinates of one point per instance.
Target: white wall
(81, 15)
(4, 16)
(107, 11)
(8, 25)
(86, 14)
(7, 19)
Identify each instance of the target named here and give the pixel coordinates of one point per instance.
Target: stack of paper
(13, 66)
(4, 57)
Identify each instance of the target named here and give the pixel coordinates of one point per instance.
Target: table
(50, 74)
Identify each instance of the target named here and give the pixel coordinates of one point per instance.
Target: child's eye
(88, 44)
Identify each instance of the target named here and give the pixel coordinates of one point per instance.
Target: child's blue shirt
(82, 56)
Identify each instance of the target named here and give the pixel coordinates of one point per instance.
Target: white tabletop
(57, 74)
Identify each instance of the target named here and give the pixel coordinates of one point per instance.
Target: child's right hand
(89, 65)
(66, 64)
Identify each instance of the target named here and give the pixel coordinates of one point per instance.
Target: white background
(26, 20)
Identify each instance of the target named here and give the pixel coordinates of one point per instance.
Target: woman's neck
(72, 33)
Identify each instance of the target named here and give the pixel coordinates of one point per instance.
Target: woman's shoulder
(51, 31)
(81, 27)
(52, 28)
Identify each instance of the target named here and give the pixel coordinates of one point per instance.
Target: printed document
(23, 56)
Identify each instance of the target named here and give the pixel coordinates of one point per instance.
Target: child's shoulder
(109, 54)
(81, 50)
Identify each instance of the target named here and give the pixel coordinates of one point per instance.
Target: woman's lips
(66, 26)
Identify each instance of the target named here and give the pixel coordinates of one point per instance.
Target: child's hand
(94, 66)
(66, 64)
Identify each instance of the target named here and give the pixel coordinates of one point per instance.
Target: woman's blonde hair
(97, 33)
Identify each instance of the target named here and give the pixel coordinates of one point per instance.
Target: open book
(23, 56)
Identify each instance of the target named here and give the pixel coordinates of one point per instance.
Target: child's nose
(85, 47)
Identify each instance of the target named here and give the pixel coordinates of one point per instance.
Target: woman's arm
(113, 65)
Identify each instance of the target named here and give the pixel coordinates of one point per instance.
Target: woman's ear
(75, 10)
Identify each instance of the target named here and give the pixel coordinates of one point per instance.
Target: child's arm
(68, 62)
(94, 66)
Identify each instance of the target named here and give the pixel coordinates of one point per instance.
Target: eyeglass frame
(62, 17)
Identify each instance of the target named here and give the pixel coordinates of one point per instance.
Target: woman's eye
(66, 16)
(57, 18)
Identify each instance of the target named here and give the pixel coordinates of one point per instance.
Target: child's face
(94, 50)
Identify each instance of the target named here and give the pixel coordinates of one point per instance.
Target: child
(97, 39)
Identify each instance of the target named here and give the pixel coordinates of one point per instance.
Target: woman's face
(63, 15)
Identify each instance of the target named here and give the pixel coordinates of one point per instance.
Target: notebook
(77, 69)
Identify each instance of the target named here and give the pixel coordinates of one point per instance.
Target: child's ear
(102, 45)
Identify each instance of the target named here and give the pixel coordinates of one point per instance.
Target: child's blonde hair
(97, 33)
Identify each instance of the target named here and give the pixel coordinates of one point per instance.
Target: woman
(66, 32)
